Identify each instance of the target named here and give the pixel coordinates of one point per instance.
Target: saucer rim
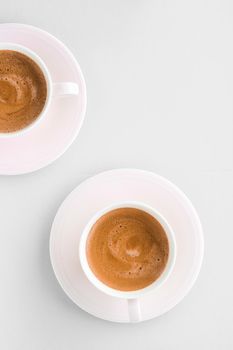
(198, 263)
(27, 169)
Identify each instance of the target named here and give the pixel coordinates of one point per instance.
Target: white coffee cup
(133, 297)
(54, 89)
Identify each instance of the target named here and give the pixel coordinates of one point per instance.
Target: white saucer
(51, 138)
(101, 191)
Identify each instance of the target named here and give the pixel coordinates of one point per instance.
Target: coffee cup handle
(65, 88)
(134, 310)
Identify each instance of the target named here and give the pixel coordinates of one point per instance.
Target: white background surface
(159, 80)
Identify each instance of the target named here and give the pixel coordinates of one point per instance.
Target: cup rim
(136, 293)
(37, 59)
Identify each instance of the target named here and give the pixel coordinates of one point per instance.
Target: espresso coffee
(127, 249)
(23, 91)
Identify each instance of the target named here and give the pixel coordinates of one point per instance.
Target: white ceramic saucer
(101, 191)
(51, 138)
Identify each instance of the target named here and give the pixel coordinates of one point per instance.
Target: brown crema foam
(127, 249)
(23, 91)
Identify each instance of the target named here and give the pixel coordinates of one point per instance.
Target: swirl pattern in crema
(23, 91)
(127, 249)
